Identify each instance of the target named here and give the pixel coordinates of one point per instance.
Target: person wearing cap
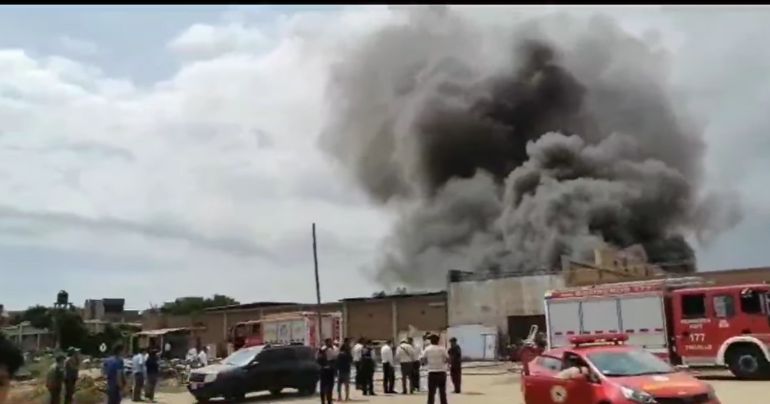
(11, 360)
(71, 372)
(54, 379)
(455, 364)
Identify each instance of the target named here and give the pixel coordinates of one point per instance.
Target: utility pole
(319, 329)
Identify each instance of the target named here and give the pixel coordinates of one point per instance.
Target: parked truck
(683, 320)
(288, 328)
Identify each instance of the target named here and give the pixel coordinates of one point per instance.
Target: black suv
(257, 368)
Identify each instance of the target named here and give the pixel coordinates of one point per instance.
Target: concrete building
(510, 302)
(393, 317)
(109, 310)
(29, 338)
(379, 318)
(213, 326)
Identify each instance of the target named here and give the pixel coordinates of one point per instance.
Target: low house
(179, 340)
(29, 338)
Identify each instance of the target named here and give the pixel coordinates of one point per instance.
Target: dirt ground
(491, 386)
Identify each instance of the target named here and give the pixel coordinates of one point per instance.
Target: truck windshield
(242, 357)
(629, 363)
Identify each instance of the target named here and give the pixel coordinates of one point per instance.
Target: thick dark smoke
(504, 153)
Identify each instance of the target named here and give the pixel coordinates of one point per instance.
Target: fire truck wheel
(748, 362)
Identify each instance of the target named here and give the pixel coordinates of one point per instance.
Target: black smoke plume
(504, 152)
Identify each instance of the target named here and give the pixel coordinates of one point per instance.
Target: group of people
(63, 375)
(337, 361)
(145, 369)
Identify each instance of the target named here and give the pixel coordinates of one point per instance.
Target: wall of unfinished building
(491, 302)
(394, 316)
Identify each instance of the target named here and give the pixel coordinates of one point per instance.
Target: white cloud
(208, 41)
(77, 46)
(189, 179)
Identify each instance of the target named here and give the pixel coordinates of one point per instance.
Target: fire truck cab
(682, 320)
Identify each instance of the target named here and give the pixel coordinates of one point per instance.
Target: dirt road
(495, 388)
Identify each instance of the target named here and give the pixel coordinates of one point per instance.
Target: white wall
(490, 302)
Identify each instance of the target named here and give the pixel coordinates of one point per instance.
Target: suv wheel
(308, 390)
(748, 362)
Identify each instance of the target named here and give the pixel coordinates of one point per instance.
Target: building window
(694, 306)
(724, 306)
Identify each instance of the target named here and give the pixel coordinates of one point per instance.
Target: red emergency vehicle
(611, 372)
(682, 320)
(286, 328)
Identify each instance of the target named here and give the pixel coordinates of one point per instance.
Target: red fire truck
(287, 328)
(683, 320)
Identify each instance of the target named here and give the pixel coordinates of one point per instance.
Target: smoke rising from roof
(503, 152)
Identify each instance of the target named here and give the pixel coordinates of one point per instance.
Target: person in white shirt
(404, 356)
(435, 359)
(416, 353)
(203, 357)
(140, 371)
(388, 371)
(192, 355)
(357, 350)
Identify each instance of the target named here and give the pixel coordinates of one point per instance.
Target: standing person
(344, 361)
(404, 355)
(192, 356)
(367, 366)
(140, 372)
(416, 353)
(435, 359)
(55, 379)
(388, 371)
(455, 364)
(167, 350)
(116, 378)
(203, 357)
(327, 356)
(11, 360)
(71, 371)
(153, 369)
(357, 350)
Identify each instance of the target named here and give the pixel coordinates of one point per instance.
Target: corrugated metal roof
(391, 297)
(163, 331)
(254, 305)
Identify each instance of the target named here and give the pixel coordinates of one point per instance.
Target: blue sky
(155, 152)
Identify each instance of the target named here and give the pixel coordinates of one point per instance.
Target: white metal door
(563, 321)
(600, 316)
(644, 322)
(490, 346)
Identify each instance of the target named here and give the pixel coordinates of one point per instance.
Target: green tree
(69, 328)
(38, 316)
